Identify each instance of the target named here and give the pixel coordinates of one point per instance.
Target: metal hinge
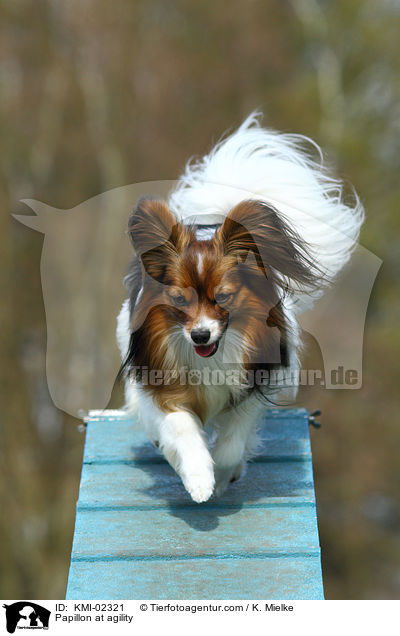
(312, 420)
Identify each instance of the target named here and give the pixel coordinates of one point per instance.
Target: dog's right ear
(156, 235)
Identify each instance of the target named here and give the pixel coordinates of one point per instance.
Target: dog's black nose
(200, 336)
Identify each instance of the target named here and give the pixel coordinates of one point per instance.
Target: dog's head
(198, 289)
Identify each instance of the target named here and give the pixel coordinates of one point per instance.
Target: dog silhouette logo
(84, 257)
(26, 615)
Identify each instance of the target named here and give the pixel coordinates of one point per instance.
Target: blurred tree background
(96, 95)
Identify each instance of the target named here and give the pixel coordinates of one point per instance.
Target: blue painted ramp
(138, 535)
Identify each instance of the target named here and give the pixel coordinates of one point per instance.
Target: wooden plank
(195, 531)
(158, 485)
(139, 535)
(291, 578)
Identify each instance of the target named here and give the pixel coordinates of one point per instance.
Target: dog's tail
(278, 169)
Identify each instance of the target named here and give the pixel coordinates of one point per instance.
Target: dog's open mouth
(206, 351)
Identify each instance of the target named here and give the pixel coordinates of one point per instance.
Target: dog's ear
(156, 235)
(253, 226)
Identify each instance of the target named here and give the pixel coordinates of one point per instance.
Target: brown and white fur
(215, 285)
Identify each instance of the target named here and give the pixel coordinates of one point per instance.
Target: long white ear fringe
(257, 163)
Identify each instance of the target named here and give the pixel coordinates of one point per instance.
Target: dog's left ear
(156, 235)
(253, 226)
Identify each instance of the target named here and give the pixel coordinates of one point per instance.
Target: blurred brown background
(96, 95)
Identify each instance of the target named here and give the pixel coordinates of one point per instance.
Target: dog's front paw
(200, 486)
(225, 476)
(239, 471)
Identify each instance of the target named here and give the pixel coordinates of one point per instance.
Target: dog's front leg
(183, 444)
(236, 442)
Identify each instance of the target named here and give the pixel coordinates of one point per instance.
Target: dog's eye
(180, 301)
(222, 298)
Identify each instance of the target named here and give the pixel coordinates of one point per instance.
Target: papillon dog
(249, 238)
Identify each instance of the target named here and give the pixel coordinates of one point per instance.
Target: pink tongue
(204, 350)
